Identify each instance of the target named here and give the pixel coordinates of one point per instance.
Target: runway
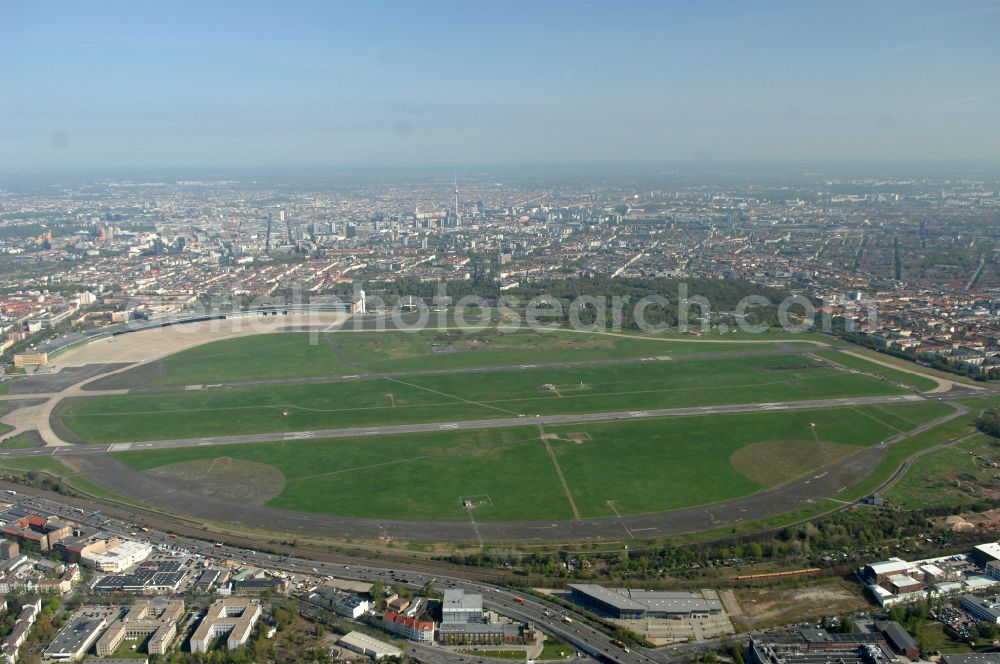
(98, 466)
(463, 425)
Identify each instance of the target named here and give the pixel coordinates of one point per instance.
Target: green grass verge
(83, 485)
(462, 396)
(810, 511)
(555, 649)
(39, 463)
(905, 364)
(955, 476)
(895, 375)
(896, 454)
(486, 653)
(19, 442)
(69, 477)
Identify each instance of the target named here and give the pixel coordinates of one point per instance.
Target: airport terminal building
(628, 604)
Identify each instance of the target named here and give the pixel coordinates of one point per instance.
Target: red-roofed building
(38, 530)
(411, 628)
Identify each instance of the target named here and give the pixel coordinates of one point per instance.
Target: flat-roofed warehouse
(366, 645)
(75, 638)
(627, 604)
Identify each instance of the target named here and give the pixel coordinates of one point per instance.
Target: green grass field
(19, 442)
(297, 354)
(959, 475)
(899, 452)
(59, 470)
(463, 396)
(39, 463)
(895, 375)
(624, 467)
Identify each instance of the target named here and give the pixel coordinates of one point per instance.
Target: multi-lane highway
(582, 634)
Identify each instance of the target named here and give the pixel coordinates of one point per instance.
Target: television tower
(458, 210)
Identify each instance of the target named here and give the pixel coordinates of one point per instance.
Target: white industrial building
(366, 645)
(117, 557)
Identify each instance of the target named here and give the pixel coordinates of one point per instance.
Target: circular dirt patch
(231, 479)
(775, 462)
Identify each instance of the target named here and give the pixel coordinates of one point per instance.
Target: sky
(145, 85)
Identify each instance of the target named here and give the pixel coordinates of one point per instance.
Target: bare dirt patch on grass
(231, 479)
(985, 521)
(761, 607)
(578, 437)
(775, 462)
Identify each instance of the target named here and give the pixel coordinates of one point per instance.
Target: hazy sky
(154, 84)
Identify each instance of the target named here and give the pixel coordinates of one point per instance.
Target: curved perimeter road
(93, 462)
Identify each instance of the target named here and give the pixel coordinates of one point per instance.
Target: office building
(232, 618)
(155, 619)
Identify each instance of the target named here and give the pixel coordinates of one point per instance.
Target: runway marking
(475, 527)
(452, 396)
(299, 435)
(875, 419)
(611, 504)
(357, 468)
(559, 472)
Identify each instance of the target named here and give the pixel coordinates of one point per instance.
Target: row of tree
(723, 296)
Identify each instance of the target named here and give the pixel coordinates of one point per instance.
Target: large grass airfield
(431, 380)
(595, 467)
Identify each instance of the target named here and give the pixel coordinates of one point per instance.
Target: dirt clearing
(231, 479)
